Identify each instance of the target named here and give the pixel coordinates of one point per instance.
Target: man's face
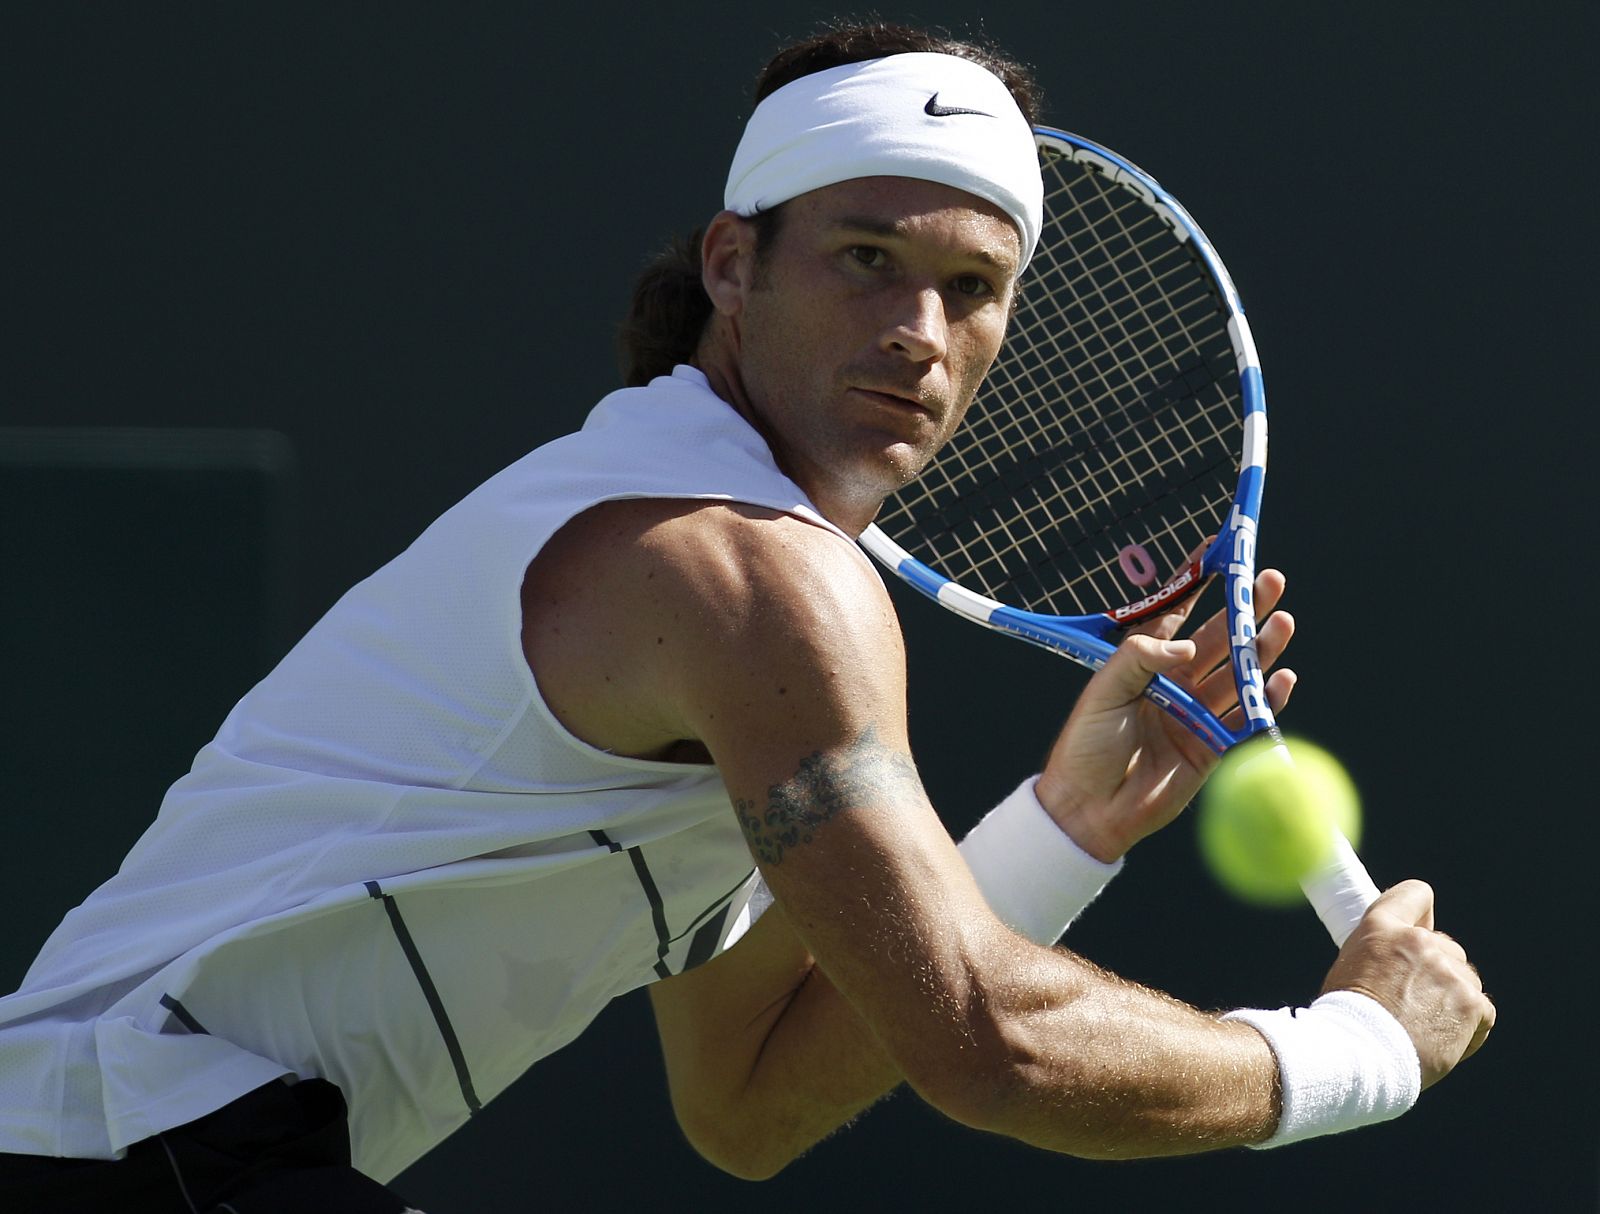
(867, 328)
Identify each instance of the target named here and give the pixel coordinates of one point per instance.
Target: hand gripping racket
(1121, 427)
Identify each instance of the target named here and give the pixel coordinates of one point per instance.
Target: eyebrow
(876, 225)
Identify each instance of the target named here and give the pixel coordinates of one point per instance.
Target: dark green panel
(146, 581)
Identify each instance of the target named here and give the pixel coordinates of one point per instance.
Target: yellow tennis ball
(1266, 820)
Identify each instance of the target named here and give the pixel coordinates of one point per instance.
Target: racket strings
(1140, 339)
(1037, 326)
(1055, 281)
(1109, 424)
(1036, 427)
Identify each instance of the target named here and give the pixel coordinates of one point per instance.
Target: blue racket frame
(1091, 639)
(1341, 890)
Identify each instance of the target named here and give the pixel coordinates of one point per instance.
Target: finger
(1273, 638)
(1129, 670)
(1411, 902)
(1169, 623)
(1280, 686)
(1269, 588)
(1211, 637)
(1217, 690)
(1486, 1018)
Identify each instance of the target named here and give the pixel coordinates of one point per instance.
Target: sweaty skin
(671, 629)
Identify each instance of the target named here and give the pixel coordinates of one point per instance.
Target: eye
(973, 286)
(868, 255)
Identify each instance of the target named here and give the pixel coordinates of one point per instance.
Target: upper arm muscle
(802, 704)
(769, 641)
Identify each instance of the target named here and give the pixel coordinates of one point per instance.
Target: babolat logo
(1241, 580)
(1173, 589)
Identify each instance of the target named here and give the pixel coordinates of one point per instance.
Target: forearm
(1036, 1043)
(1072, 1059)
(804, 1062)
(1115, 1071)
(1095, 1066)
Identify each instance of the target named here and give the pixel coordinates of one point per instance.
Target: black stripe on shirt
(705, 940)
(658, 912)
(718, 904)
(700, 948)
(430, 992)
(182, 1016)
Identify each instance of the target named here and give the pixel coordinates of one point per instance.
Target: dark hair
(841, 43)
(669, 309)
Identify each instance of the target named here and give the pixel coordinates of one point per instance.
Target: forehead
(913, 210)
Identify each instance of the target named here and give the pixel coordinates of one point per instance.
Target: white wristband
(1034, 877)
(1343, 1062)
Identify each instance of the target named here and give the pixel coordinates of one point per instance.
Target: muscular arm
(1108, 1068)
(767, 641)
(996, 1032)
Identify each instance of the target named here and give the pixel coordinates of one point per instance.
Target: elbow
(740, 1146)
(740, 1161)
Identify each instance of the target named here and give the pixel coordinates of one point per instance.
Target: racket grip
(1340, 891)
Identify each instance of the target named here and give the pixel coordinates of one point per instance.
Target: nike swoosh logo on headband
(936, 110)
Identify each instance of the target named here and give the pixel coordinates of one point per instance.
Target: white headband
(934, 117)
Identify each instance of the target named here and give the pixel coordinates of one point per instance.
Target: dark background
(385, 247)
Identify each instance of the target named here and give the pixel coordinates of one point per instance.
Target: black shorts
(281, 1149)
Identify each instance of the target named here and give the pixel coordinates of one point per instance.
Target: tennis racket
(1122, 426)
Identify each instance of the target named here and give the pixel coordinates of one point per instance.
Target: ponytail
(667, 314)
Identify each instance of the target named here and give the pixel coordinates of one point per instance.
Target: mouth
(895, 398)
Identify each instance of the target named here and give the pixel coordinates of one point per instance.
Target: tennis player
(549, 754)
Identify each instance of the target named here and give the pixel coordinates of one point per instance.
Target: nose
(919, 331)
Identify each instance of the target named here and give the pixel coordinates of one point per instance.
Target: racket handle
(1340, 891)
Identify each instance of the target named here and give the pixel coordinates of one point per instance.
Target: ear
(728, 261)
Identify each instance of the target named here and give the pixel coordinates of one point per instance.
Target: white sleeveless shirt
(393, 868)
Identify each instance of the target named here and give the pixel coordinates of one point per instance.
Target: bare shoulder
(728, 560)
(639, 614)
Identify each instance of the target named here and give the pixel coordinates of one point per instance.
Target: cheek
(785, 364)
(976, 351)
(763, 354)
(788, 339)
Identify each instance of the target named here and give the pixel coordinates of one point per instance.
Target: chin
(896, 469)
